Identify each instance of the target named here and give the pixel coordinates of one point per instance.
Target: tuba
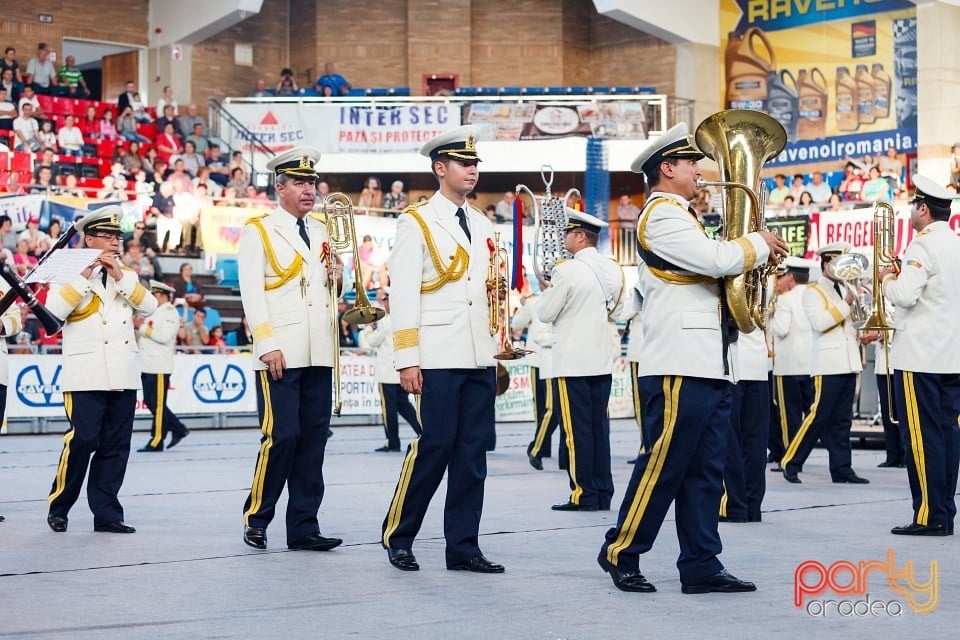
(499, 311)
(884, 254)
(550, 220)
(342, 235)
(741, 141)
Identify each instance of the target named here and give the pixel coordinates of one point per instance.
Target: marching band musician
(584, 293)
(834, 365)
(100, 376)
(158, 344)
(631, 315)
(792, 343)
(892, 440)
(683, 370)
(542, 381)
(393, 399)
(744, 479)
(286, 271)
(444, 353)
(9, 326)
(926, 359)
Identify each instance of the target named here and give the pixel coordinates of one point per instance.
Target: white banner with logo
(203, 384)
(856, 227)
(342, 128)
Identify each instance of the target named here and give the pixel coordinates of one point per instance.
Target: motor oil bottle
(881, 91)
(812, 101)
(747, 72)
(846, 101)
(864, 82)
(782, 101)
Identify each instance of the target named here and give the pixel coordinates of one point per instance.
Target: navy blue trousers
(586, 427)
(645, 443)
(155, 397)
(687, 419)
(457, 417)
(547, 412)
(294, 419)
(744, 471)
(394, 400)
(829, 420)
(794, 397)
(101, 424)
(929, 406)
(892, 437)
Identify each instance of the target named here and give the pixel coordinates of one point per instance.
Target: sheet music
(64, 266)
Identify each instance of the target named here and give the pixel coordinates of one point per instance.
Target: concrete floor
(187, 574)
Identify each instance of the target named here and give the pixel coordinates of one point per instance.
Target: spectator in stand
(191, 120)
(852, 183)
(217, 166)
(505, 206)
(160, 170)
(787, 207)
(37, 241)
(168, 227)
(71, 188)
(48, 160)
(891, 169)
(192, 161)
(242, 336)
(194, 333)
(139, 109)
(797, 187)
(627, 212)
(200, 142)
(169, 117)
(110, 190)
(107, 128)
(256, 197)
(28, 95)
(323, 190)
(12, 86)
(70, 137)
(287, 87)
(149, 160)
(125, 99)
(127, 126)
(9, 61)
(167, 100)
(23, 259)
(116, 171)
(90, 124)
(186, 288)
(41, 73)
(836, 202)
(71, 80)
(168, 144)
(186, 208)
(203, 179)
(876, 189)
(54, 229)
(955, 164)
(330, 78)
(238, 180)
(26, 130)
(179, 178)
(778, 193)
(44, 184)
(8, 110)
(46, 136)
(371, 197)
(395, 200)
(217, 340)
(143, 190)
(702, 204)
(134, 258)
(491, 213)
(14, 186)
(8, 237)
(819, 190)
(805, 205)
(260, 90)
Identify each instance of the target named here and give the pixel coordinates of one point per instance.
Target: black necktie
(303, 232)
(103, 277)
(462, 217)
(836, 287)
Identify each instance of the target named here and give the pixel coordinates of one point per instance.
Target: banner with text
(856, 227)
(531, 121)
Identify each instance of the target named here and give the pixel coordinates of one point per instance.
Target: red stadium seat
(148, 130)
(21, 161)
(105, 148)
(104, 167)
(46, 103)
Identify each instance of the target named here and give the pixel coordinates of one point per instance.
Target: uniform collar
(446, 206)
(585, 252)
(670, 196)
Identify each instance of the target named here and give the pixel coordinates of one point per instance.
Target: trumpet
(499, 312)
(341, 233)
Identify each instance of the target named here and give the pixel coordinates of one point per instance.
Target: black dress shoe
(625, 580)
(477, 564)
(177, 438)
(722, 582)
(403, 559)
(116, 526)
(148, 448)
(571, 506)
(256, 537)
(315, 542)
(2, 518)
(604, 504)
(386, 448)
(852, 479)
(57, 523)
(633, 460)
(914, 529)
(791, 477)
(729, 519)
(776, 469)
(887, 463)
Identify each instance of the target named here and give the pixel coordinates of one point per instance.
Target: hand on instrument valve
(275, 363)
(850, 297)
(778, 248)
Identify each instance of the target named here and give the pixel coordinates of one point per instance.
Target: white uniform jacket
(835, 343)
(10, 321)
(792, 339)
(584, 294)
(751, 350)
(158, 340)
(100, 351)
(927, 299)
(438, 291)
(539, 336)
(283, 285)
(681, 308)
(381, 340)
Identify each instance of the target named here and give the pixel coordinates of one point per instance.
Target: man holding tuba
(444, 352)
(926, 359)
(286, 271)
(683, 372)
(834, 365)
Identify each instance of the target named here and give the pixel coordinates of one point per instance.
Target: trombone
(342, 235)
(499, 309)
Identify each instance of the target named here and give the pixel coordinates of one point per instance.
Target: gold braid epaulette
(453, 272)
(82, 314)
(284, 275)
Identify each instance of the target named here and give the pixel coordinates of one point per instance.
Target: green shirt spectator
(71, 79)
